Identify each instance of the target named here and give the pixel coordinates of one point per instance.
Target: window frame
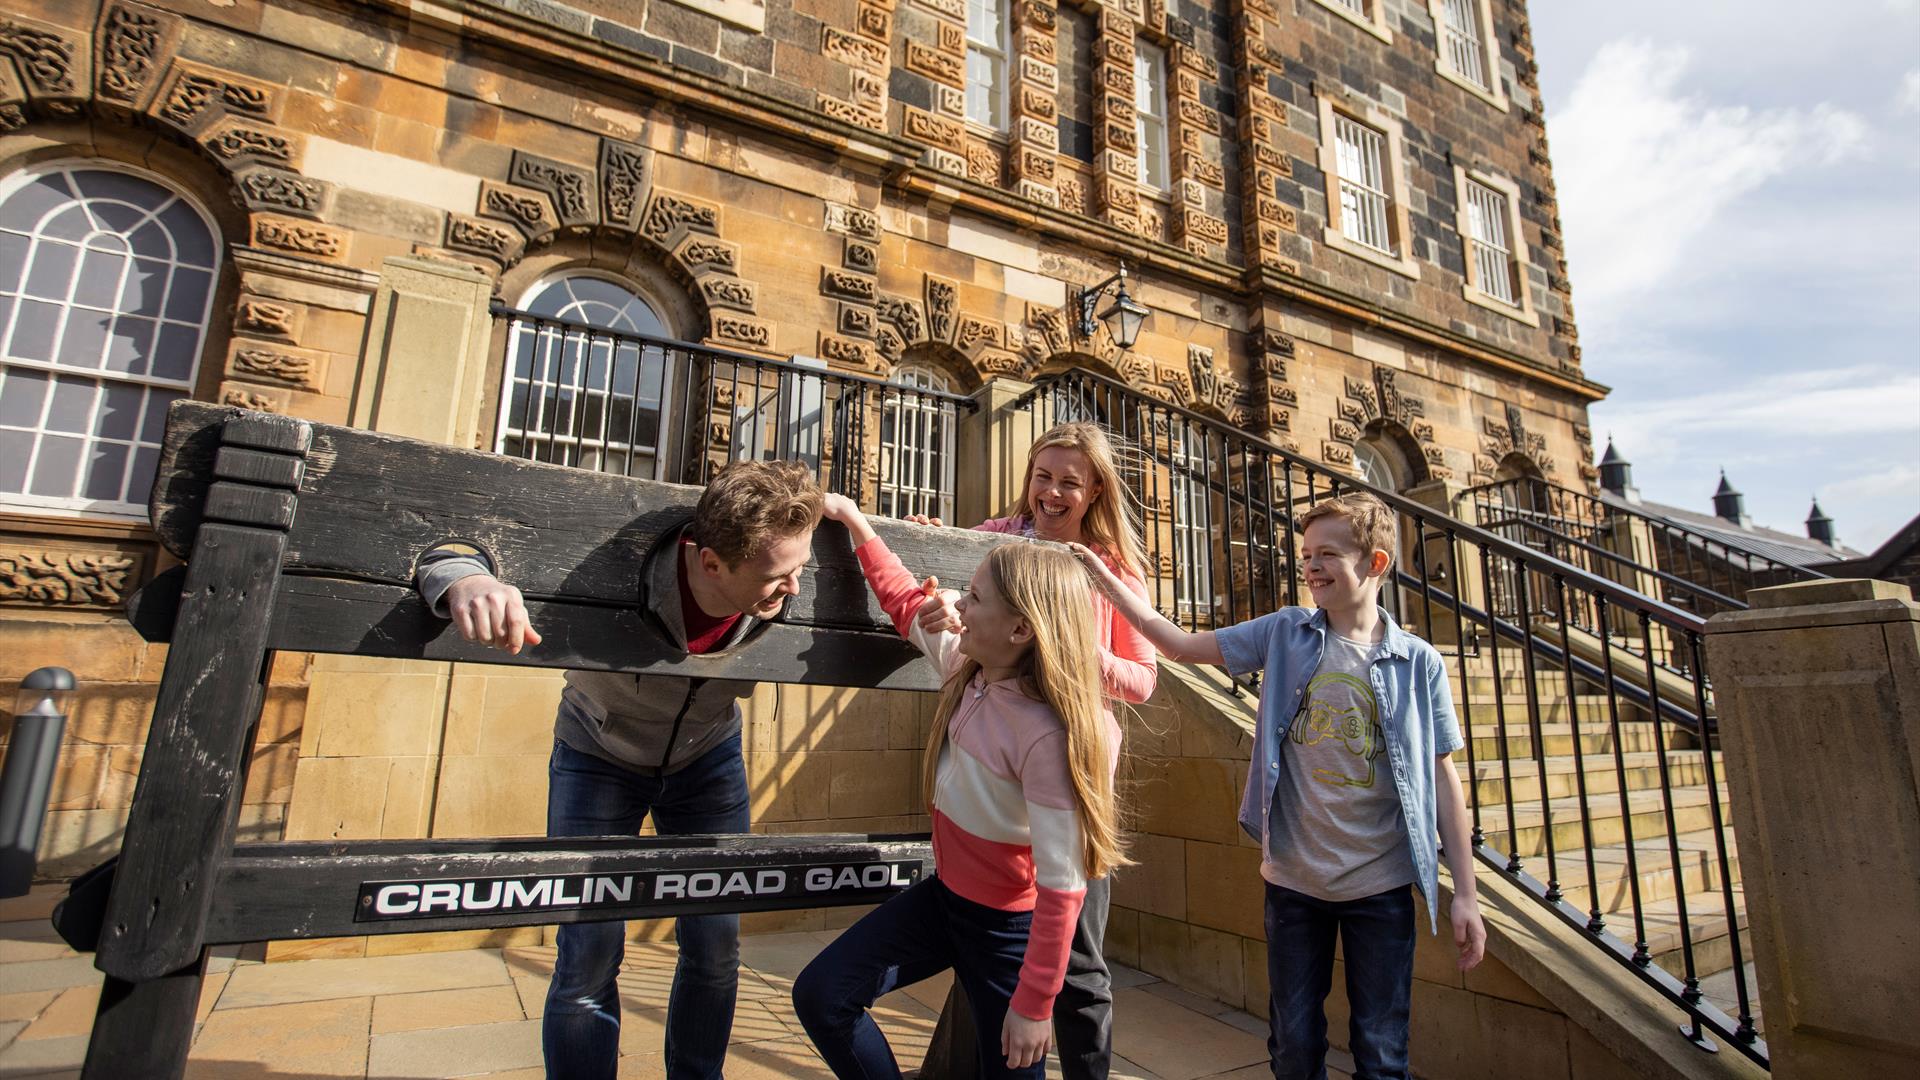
(1372, 17)
(1401, 258)
(1494, 92)
(1154, 55)
(82, 507)
(1518, 256)
(1001, 122)
(935, 431)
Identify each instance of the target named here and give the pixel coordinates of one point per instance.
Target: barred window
(1192, 520)
(1492, 252)
(106, 284)
(1462, 45)
(987, 32)
(1361, 158)
(1150, 114)
(916, 446)
(572, 396)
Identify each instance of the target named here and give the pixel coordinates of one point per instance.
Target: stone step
(1589, 709)
(1691, 813)
(1699, 872)
(1556, 740)
(1707, 922)
(1641, 771)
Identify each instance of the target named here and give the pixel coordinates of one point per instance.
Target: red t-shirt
(704, 631)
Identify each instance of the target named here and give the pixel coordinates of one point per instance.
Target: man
(627, 746)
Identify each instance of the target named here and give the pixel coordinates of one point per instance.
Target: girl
(1073, 494)
(1020, 768)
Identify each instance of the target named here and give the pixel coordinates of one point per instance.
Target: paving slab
(454, 1051)
(254, 985)
(59, 974)
(24, 1006)
(1176, 1043)
(305, 1038)
(446, 1008)
(70, 1014)
(22, 1059)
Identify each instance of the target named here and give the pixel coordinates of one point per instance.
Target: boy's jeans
(1376, 942)
(915, 935)
(591, 797)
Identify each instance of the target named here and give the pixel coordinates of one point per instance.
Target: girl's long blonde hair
(1046, 585)
(1110, 525)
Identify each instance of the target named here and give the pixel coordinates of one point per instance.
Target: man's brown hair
(751, 503)
(1372, 521)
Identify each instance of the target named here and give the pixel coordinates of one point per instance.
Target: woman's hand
(920, 519)
(1025, 1041)
(1096, 566)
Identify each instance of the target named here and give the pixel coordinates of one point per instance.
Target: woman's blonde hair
(1111, 525)
(1048, 588)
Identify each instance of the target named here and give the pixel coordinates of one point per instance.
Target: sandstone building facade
(1340, 214)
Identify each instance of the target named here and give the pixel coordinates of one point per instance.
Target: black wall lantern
(1124, 317)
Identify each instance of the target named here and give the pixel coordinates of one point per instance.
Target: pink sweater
(1128, 663)
(1005, 831)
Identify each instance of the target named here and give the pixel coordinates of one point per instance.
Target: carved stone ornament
(934, 64)
(853, 221)
(66, 578)
(668, 214)
(943, 303)
(723, 291)
(904, 316)
(133, 46)
(196, 97)
(288, 367)
(1200, 367)
(571, 188)
(296, 236)
(952, 9)
(525, 210)
(482, 238)
(742, 330)
(853, 50)
(246, 399)
(626, 174)
(45, 58)
(264, 318)
(283, 191)
(697, 254)
(860, 258)
(849, 113)
(975, 333)
(1337, 453)
(232, 142)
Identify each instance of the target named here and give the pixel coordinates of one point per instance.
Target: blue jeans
(913, 936)
(587, 796)
(1376, 941)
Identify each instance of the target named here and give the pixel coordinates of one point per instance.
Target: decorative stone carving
(12, 118)
(869, 91)
(233, 142)
(849, 113)
(668, 214)
(570, 188)
(844, 285)
(951, 38)
(263, 318)
(949, 100)
(296, 236)
(255, 361)
(861, 258)
(1336, 453)
(697, 254)
(943, 302)
(973, 333)
(727, 292)
(846, 352)
(952, 9)
(934, 64)
(1200, 367)
(904, 316)
(195, 97)
(527, 211)
(66, 578)
(983, 163)
(875, 22)
(742, 330)
(857, 320)
(247, 399)
(852, 221)
(853, 50)
(1038, 104)
(626, 173)
(130, 52)
(478, 237)
(270, 189)
(44, 57)
(938, 130)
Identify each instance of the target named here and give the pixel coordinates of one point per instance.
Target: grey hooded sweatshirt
(648, 723)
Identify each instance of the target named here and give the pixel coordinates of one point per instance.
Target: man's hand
(920, 519)
(937, 613)
(1469, 930)
(1024, 1041)
(488, 610)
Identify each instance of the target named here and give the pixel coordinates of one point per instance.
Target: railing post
(1818, 689)
(991, 446)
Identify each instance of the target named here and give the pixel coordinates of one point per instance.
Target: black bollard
(39, 719)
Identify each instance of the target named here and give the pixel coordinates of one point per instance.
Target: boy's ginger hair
(1371, 520)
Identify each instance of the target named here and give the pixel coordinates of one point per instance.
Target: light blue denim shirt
(1416, 714)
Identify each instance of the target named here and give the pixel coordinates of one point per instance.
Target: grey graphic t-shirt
(1335, 830)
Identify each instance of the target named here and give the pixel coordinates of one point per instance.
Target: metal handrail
(1241, 494)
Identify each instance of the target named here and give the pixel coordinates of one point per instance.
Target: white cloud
(1644, 169)
(1770, 417)
(1907, 98)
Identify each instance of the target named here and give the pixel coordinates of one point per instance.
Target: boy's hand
(488, 610)
(920, 519)
(1024, 1041)
(937, 613)
(839, 508)
(1469, 930)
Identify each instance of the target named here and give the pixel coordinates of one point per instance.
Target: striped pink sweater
(1005, 832)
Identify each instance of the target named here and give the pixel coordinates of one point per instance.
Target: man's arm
(1173, 642)
(460, 585)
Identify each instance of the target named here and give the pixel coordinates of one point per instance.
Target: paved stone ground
(477, 1013)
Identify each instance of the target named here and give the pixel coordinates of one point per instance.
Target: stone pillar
(1818, 690)
(426, 352)
(991, 446)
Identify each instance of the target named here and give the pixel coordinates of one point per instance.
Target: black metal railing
(593, 398)
(1686, 567)
(1587, 759)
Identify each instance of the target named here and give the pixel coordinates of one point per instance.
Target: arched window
(576, 397)
(106, 280)
(916, 446)
(1374, 465)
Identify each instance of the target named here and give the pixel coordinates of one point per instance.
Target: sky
(1739, 186)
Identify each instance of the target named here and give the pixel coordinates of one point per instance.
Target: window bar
(1744, 1032)
(1537, 729)
(1500, 717)
(1691, 992)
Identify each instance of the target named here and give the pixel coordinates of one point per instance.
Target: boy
(1353, 762)
(629, 746)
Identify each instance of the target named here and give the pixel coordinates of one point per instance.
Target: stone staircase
(1593, 862)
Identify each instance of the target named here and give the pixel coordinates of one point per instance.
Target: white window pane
(99, 282)
(193, 244)
(51, 275)
(27, 209)
(187, 296)
(153, 427)
(71, 409)
(174, 352)
(146, 461)
(23, 396)
(117, 216)
(16, 449)
(73, 224)
(34, 327)
(56, 467)
(13, 257)
(84, 344)
(152, 241)
(106, 471)
(119, 413)
(144, 288)
(130, 346)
